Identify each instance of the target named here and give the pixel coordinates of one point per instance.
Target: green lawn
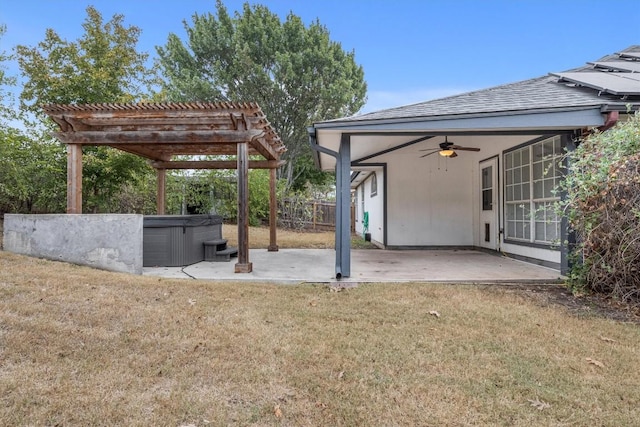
(85, 347)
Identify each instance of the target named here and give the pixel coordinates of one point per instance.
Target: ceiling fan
(447, 149)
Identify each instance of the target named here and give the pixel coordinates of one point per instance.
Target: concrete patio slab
(317, 266)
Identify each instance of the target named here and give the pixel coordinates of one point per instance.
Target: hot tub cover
(158, 221)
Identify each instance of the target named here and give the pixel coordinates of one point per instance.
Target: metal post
(343, 209)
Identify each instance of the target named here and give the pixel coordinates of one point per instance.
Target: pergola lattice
(162, 131)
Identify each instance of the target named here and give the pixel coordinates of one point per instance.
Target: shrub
(602, 205)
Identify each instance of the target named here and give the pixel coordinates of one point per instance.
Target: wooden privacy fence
(311, 215)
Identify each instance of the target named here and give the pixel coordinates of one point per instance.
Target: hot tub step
(219, 244)
(216, 250)
(225, 254)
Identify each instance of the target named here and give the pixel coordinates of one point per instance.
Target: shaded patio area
(293, 266)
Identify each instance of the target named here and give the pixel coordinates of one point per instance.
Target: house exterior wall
(430, 200)
(434, 201)
(373, 205)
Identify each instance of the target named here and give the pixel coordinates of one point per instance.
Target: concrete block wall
(106, 241)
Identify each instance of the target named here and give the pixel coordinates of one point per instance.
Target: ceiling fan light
(446, 153)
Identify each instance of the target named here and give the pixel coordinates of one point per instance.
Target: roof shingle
(541, 93)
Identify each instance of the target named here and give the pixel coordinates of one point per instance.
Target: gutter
(355, 122)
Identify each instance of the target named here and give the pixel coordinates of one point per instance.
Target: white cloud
(380, 99)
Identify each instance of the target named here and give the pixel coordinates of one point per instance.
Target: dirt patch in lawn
(582, 305)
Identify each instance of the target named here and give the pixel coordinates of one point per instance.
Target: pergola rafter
(164, 133)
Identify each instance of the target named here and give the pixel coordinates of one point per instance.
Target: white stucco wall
(429, 200)
(433, 201)
(374, 205)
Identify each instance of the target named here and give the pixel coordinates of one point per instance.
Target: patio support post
(74, 178)
(343, 208)
(273, 211)
(161, 179)
(567, 236)
(243, 265)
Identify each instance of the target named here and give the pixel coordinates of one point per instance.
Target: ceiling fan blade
(429, 149)
(457, 147)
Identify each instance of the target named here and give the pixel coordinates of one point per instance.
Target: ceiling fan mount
(448, 149)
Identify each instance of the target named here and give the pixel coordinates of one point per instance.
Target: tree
(6, 113)
(29, 172)
(296, 73)
(32, 174)
(102, 66)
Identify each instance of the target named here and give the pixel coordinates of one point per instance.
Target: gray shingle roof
(542, 93)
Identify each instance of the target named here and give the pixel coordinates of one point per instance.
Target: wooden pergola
(161, 131)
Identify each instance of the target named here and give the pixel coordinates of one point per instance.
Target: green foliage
(208, 191)
(30, 165)
(103, 66)
(32, 174)
(295, 72)
(602, 204)
(6, 112)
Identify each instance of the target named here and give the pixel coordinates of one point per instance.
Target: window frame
(374, 185)
(530, 219)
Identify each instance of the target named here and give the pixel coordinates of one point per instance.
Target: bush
(602, 205)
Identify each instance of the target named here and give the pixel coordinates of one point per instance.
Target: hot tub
(177, 240)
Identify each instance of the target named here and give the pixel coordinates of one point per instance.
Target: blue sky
(411, 50)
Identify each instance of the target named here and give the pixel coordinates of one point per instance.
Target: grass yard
(259, 238)
(81, 347)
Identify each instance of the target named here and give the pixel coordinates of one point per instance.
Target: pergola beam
(159, 137)
(264, 149)
(217, 164)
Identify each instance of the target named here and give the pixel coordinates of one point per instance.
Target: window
(531, 176)
(362, 201)
(487, 188)
(374, 184)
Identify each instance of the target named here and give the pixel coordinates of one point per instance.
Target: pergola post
(273, 211)
(161, 174)
(243, 265)
(74, 178)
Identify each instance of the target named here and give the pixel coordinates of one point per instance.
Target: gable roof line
(544, 93)
(458, 95)
(335, 124)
